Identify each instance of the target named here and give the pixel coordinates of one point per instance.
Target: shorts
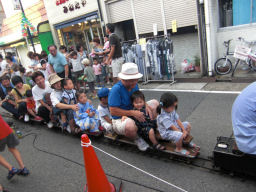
(104, 70)
(76, 75)
(67, 112)
(119, 126)
(175, 136)
(11, 141)
(117, 66)
(91, 86)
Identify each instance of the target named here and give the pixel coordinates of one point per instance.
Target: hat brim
(56, 80)
(128, 77)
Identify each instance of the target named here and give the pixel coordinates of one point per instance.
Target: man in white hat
(58, 107)
(120, 104)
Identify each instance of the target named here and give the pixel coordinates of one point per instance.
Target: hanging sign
(25, 24)
(69, 6)
(155, 29)
(174, 26)
(142, 41)
(16, 4)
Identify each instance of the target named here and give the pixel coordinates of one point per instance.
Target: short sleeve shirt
(103, 112)
(244, 120)
(166, 120)
(38, 93)
(26, 87)
(5, 129)
(114, 41)
(97, 69)
(58, 62)
(76, 63)
(88, 72)
(56, 97)
(119, 97)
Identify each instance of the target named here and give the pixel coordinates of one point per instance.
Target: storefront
(74, 22)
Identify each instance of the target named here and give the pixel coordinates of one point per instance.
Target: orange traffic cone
(96, 178)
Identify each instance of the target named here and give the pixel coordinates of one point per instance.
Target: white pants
(108, 127)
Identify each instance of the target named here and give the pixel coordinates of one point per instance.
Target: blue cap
(103, 92)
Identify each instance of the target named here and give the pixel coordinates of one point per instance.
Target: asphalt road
(209, 115)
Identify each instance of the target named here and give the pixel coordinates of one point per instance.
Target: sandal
(77, 130)
(159, 147)
(11, 173)
(23, 172)
(183, 152)
(194, 146)
(2, 189)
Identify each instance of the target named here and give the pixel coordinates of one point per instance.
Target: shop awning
(87, 17)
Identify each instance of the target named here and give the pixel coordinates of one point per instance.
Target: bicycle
(223, 65)
(244, 53)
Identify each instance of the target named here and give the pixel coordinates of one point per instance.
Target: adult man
(115, 51)
(244, 120)
(120, 104)
(58, 62)
(58, 107)
(40, 91)
(5, 83)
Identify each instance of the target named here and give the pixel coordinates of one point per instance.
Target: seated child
(87, 118)
(31, 105)
(146, 129)
(104, 113)
(68, 97)
(169, 124)
(9, 97)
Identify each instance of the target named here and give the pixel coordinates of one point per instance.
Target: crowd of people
(54, 90)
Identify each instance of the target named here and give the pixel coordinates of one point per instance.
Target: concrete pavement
(209, 115)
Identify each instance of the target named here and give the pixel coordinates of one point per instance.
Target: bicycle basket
(242, 52)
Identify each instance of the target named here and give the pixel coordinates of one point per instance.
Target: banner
(16, 4)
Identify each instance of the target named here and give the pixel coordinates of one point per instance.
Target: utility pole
(28, 30)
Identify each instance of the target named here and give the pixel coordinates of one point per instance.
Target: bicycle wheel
(252, 64)
(223, 66)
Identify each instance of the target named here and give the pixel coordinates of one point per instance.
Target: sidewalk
(197, 86)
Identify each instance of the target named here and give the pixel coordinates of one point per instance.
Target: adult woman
(33, 61)
(19, 92)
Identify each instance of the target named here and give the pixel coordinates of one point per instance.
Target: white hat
(129, 71)
(85, 61)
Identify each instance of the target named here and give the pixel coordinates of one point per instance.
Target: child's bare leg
(188, 128)
(179, 144)
(78, 85)
(152, 137)
(31, 112)
(5, 163)
(17, 156)
(72, 125)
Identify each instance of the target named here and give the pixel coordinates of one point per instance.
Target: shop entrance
(81, 33)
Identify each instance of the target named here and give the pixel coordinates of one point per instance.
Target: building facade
(11, 39)
(74, 22)
(135, 19)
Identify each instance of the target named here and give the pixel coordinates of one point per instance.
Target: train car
(228, 158)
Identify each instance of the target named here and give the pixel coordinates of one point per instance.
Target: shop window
(237, 12)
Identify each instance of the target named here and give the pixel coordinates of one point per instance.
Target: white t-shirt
(104, 111)
(56, 96)
(3, 65)
(76, 63)
(38, 93)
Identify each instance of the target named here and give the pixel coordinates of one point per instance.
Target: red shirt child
(5, 129)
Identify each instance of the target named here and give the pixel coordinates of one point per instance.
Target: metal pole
(29, 34)
(134, 20)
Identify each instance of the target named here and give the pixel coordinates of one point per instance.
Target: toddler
(31, 105)
(169, 124)
(86, 117)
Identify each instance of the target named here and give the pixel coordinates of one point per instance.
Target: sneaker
(68, 129)
(142, 145)
(23, 171)
(26, 118)
(37, 118)
(11, 173)
(50, 125)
